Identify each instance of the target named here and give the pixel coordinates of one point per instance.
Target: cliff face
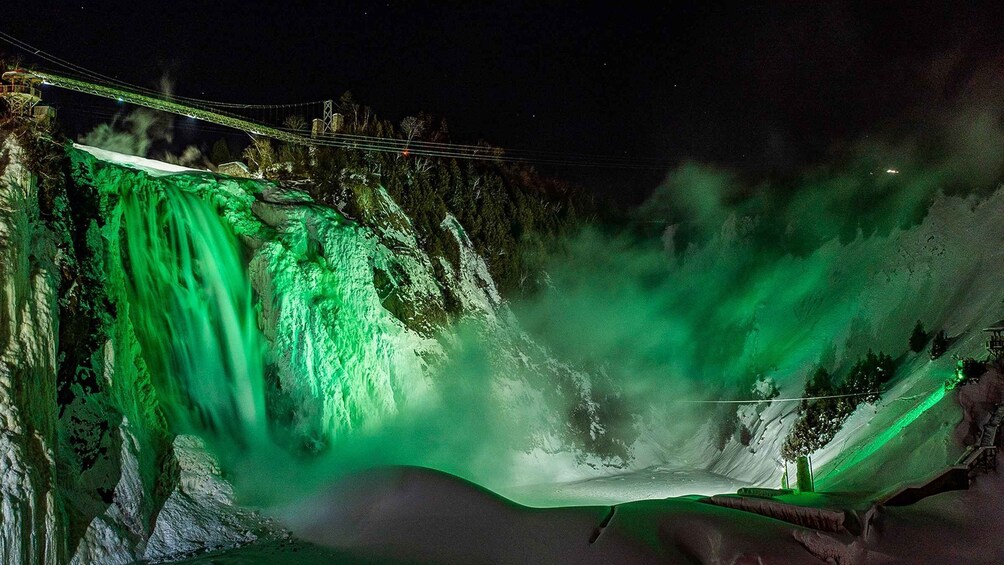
(32, 526)
(353, 320)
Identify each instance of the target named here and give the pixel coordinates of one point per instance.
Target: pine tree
(819, 384)
(918, 339)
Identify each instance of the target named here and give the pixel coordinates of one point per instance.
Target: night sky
(755, 89)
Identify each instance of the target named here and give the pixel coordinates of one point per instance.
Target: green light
(189, 303)
(888, 434)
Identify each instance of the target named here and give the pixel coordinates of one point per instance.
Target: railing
(981, 456)
(205, 114)
(6, 89)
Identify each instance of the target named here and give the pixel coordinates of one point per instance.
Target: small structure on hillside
(804, 480)
(19, 91)
(316, 127)
(234, 169)
(330, 124)
(995, 342)
(44, 115)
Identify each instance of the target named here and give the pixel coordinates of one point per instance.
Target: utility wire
(780, 399)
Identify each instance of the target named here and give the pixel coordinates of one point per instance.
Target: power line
(780, 399)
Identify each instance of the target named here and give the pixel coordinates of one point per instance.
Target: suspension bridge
(22, 85)
(22, 89)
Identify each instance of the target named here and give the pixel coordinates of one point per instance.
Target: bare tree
(412, 127)
(422, 164)
(295, 122)
(367, 114)
(348, 107)
(260, 155)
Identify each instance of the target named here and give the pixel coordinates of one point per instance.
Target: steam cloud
(767, 279)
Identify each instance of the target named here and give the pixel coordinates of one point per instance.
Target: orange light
(405, 153)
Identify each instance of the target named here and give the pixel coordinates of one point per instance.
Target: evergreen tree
(867, 377)
(819, 420)
(918, 339)
(818, 385)
(220, 153)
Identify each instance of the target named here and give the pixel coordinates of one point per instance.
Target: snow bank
(151, 166)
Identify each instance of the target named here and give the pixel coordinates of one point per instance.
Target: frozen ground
(645, 484)
(420, 516)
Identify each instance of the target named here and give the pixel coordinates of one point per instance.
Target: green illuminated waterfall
(299, 343)
(200, 345)
(190, 304)
(255, 320)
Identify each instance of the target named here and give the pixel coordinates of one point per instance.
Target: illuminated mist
(260, 340)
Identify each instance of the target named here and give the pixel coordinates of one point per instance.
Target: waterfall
(190, 304)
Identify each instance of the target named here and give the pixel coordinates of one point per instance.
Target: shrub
(968, 371)
(820, 419)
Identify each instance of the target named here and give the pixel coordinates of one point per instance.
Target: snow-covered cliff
(32, 529)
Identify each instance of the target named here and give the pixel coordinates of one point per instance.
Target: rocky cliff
(357, 325)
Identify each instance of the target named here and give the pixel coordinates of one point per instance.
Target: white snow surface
(946, 271)
(152, 166)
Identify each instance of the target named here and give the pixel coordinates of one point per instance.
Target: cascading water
(262, 332)
(190, 304)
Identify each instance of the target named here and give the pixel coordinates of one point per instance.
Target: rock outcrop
(31, 520)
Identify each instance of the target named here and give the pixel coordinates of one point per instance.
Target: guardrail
(165, 105)
(979, 457)
(20, 89)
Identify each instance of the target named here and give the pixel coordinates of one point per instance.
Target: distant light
(892, 171)
(121, 99)
(405, 153)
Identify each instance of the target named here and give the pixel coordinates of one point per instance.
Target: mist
(135, 133)
(608, 367)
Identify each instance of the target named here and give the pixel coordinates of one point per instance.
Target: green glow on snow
(892, 431)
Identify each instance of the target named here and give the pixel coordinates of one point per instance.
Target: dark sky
(755, 89)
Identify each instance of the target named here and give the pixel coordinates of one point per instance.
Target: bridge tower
(327, 115)
(330, 123)
(19, 90)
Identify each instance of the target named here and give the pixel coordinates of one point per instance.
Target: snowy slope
(946, 271)
(151, 166)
